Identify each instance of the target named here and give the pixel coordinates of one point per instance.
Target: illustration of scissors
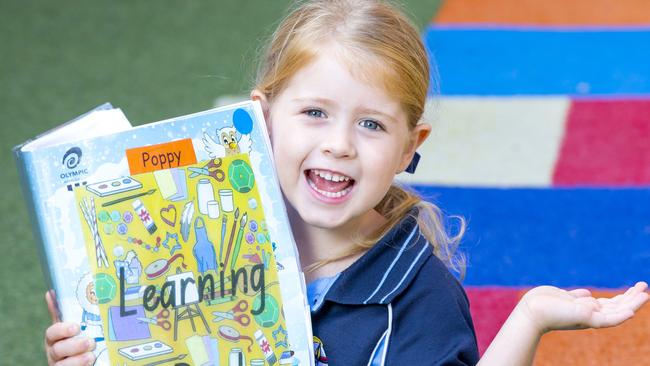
(242, 319)
(160, 320)
(211, 169)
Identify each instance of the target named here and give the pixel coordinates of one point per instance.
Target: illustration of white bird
(226, 143)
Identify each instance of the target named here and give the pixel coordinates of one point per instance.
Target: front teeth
(329, 176)
(330, 194)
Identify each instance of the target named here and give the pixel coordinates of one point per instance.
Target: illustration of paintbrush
(232, 234)
(224, 222)
(151, 191)
(240, 234)
(180, 357)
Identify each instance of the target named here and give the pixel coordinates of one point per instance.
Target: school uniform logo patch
(319, 352)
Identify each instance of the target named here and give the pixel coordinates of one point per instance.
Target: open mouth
(328, 183)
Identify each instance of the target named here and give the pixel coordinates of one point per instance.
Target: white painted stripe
(491, 141)
(377, 346)
(426, 245)
(390, 328)
(404, 245)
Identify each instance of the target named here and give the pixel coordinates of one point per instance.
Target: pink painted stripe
(606, 143)
(490, 307)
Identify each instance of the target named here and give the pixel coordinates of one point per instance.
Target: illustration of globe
(241, 176)
(271, 312)
(105, 288)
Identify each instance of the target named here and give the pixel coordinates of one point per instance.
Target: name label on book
(167, 155)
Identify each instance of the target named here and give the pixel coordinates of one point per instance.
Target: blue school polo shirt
(397, 304)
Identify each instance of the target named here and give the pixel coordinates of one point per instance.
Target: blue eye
(316, 113)
(371, 124)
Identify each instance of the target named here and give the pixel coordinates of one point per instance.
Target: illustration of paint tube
(145, 217)
(266, 347)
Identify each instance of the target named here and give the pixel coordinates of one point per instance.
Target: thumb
(51, 306)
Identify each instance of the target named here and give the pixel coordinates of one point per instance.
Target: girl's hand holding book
(61, 346)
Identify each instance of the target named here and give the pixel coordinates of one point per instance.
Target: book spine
(30, 186)
(24, 163)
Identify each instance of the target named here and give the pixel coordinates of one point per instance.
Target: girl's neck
(317, 244)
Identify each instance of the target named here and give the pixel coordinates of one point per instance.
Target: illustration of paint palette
(114, 186)
(144, 350)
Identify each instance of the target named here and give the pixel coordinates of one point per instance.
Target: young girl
(343, 86)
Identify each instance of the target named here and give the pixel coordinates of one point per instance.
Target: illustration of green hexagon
(241, 176)
(271, 312)
(105, 288)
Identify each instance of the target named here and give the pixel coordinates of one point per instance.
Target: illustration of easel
(190, 309)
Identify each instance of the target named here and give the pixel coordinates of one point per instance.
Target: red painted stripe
(607, 143)
(490, 307)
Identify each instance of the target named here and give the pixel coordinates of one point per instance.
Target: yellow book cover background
(182, 268)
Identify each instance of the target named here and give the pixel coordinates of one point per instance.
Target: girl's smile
(329, 186)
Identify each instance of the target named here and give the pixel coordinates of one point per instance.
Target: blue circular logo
(72, 158)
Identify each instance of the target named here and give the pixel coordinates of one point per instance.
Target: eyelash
(377, 125)
(310, 113)
(317, 113)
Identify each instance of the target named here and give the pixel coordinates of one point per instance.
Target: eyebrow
(314, 99)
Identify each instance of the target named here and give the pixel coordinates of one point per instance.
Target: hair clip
(413, 164)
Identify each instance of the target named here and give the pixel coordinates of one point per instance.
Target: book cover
(171, 244)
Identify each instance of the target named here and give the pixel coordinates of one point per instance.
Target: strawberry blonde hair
(380, 45)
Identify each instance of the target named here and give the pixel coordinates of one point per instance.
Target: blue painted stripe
(563, 237)
(548, 62)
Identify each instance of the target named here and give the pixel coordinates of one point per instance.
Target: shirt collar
(385, 270)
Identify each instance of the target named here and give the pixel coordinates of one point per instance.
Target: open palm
(553, 308)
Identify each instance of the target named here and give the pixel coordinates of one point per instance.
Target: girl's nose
(339, 143)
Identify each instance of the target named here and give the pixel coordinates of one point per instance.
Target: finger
(580, 292)
(60, 331)
(641, 285)
(51, 306)
(87, 358)
(624, 298)
(610, 319)
(70, 347)
(635, 303)
(589, 302)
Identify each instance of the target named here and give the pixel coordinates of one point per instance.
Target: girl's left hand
(550, 308)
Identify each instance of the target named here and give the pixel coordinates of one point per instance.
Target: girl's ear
(418, 136)
(256, 94)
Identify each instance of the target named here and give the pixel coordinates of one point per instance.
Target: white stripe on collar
(390, 268)
(426, 245)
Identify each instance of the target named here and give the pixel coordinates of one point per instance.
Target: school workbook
(169, 242)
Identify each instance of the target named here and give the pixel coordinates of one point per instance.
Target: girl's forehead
(330, 77)
(362, 66)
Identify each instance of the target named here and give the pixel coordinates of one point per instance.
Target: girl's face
(338, 143)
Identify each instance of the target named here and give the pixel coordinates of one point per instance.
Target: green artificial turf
(153, 59)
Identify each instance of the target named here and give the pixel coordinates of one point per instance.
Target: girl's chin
(323, 220)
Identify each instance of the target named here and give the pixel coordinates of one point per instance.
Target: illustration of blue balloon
(242, 121)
